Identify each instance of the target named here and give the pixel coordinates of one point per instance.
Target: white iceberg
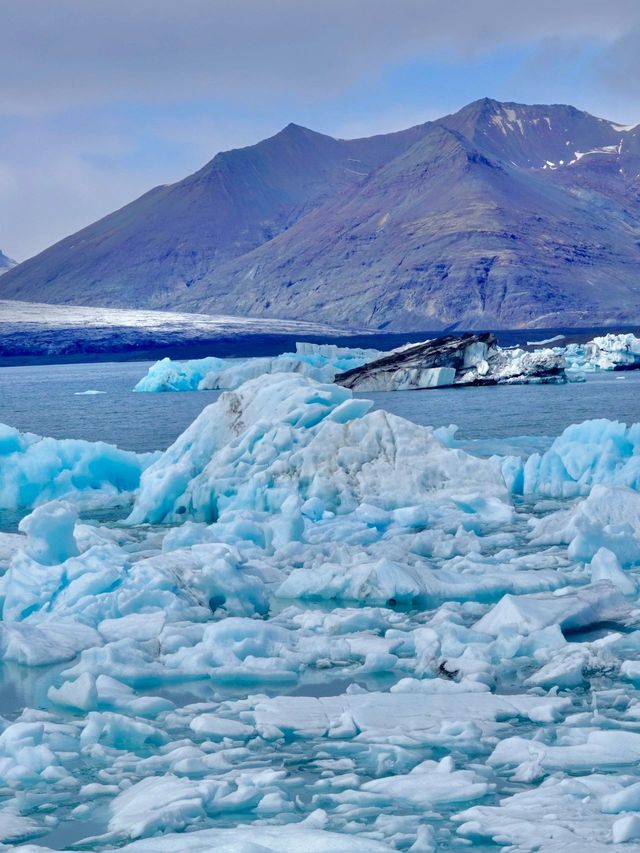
(606, 352)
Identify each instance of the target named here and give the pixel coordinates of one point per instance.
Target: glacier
(324, 627)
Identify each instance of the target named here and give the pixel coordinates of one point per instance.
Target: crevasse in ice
(323, 628)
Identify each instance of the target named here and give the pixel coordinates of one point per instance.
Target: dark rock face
(464, 360)
(498, 216)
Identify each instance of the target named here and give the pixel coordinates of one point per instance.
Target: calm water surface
(43, 399)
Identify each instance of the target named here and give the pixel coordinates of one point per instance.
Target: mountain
(151, 251)
(5, 263)
(499, 215)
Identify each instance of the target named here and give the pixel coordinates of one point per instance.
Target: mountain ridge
(472, 220)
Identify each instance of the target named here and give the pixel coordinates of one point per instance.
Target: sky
(100, 100)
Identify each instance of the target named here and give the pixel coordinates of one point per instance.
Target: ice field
(308, 623)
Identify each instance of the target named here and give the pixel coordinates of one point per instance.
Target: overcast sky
(102, 99)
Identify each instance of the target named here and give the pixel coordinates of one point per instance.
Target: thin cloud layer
(69, 52)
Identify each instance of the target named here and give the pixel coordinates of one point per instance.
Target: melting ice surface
(321, 627)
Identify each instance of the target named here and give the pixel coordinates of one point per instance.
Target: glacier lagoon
(322, 628)
(48, 400)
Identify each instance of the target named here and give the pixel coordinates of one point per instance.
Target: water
(43, 399)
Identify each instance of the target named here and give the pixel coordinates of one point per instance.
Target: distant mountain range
(5, 263)
(498, 216)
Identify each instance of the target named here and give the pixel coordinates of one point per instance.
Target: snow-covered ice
(322, 628)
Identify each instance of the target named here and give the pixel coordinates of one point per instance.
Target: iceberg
(285, 445)
(596, 452)
(607, 352)
(317, 361)
(34, 470)
(451, 360)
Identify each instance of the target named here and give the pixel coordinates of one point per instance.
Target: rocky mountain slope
(500, 215)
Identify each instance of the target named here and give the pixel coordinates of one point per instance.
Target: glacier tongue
(323, 627)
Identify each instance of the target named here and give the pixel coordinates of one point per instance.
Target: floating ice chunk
(15, 827)
(168, 803)
(605, 566)
(626, 828)
(607, 352)
(34, 470)
(212, 726)
(574, 609)
(594, 452)
(30, 751)
(625, 800)
(120, 731)
(49, 530)
(90, 392)
(285, 436)
(600, 750)
(80, 695)
(417, 716)
(213, 573)
(559, 815)
(608, 518)
(251, 838)
(317, 361)
(384, 581)
(116, 696)
(50, 642)
(566, 669)
(429, 785)
(168, 375)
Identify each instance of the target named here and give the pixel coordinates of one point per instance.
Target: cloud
(71, 52)
(102, 99)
